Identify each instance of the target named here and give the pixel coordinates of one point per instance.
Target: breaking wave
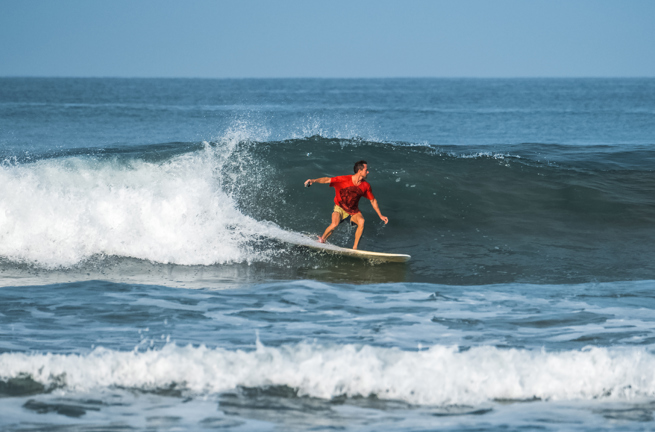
(438, 376)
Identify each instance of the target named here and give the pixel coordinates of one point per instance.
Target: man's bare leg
(358, 219)
(336, 219)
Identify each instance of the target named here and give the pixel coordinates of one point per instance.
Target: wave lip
(438, 376)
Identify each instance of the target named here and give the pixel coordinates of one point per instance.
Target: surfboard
(374, 256)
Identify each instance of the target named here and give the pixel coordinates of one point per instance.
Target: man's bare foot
(321, 239)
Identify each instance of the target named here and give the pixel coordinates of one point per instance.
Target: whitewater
(435, 376)
(153, 273)
(59, 213)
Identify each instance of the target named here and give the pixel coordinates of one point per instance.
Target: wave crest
(438, 376)
(59, 212)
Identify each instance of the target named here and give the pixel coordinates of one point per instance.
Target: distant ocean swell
(438, 376)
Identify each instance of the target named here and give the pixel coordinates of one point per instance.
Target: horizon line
(326, 78)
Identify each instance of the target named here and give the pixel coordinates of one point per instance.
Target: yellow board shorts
(342, 213)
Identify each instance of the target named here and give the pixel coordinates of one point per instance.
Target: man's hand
(385, 219)
(324, 180)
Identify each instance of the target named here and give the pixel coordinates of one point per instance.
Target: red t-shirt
(348, 195)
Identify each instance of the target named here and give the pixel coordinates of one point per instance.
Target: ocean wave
(59, 212)
(438, 376)
(236, 199)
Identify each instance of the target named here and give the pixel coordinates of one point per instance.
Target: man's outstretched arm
(374, 203)
(310, 182)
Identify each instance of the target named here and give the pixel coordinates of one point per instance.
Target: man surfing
(348, 190)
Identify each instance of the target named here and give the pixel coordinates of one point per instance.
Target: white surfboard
(375, 256)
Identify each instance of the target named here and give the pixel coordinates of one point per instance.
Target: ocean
(153, 277)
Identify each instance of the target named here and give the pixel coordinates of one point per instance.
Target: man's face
(364, 171)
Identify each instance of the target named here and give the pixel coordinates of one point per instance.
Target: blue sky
(335, 38)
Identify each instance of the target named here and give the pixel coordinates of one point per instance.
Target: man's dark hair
(359, 165)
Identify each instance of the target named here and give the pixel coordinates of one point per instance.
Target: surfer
(348, 190)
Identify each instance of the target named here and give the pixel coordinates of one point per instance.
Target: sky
(327, 39)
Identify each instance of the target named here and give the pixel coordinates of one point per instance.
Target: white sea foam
(59, 212)
(437, 376)
(483, 155)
